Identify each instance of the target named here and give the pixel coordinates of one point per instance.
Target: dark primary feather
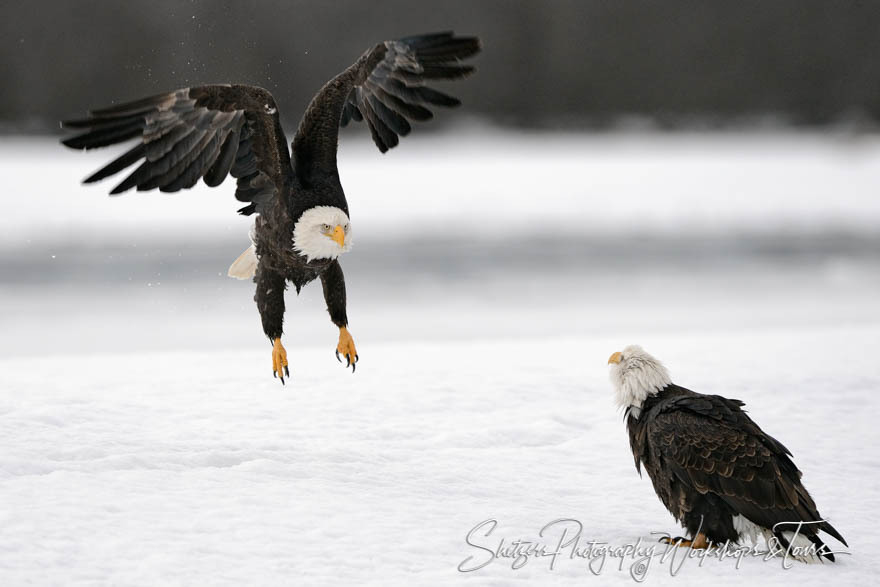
(386, 88)
(395, 87)
(205, 132)
(711, 446)
(210, 132)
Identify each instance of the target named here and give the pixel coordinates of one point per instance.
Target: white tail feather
(245, 266)
(802, 548)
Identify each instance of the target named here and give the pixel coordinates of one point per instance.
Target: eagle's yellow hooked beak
(615, 358)
(338, 235)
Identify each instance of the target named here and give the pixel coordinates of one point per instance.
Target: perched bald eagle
(715, 470)
(303, 226)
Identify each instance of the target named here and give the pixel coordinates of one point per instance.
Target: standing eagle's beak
(615, 358)
(338, 235)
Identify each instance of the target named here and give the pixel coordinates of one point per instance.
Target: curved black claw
(286, 371)
(348, 361)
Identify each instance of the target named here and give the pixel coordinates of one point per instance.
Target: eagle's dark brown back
(706, 443)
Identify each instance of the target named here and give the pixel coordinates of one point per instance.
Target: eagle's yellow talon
(279, 360)
(346, 349)
(698, 543)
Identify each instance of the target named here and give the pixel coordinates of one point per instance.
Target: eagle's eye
(325, 227)
(269, 109)
(345, 228)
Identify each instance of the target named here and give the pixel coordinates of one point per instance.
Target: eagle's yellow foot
(279, 360)
(699, 542)
(346, 348)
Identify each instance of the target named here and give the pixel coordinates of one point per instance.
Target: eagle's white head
(636, 375)
(322, 232)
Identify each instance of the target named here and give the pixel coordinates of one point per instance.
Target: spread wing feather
(394, 89)
(205, 132)
(711, 445)
(386, 88)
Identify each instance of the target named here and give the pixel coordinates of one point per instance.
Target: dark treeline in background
(557, 63)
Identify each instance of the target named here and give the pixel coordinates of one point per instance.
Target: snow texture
(143, 440)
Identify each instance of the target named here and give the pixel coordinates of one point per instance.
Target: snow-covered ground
(143, 440)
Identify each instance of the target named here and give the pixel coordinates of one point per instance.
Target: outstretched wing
(711, 445)
(203, 132)
(386, 87)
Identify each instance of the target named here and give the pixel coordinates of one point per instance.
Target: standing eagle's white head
(636, 375)
(322, 232)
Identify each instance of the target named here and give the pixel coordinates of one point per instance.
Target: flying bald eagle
(302, 224)
(715, 470)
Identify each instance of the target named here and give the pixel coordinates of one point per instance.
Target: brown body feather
(708, 462)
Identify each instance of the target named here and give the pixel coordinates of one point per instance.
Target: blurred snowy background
(477, 232)
(727, 220)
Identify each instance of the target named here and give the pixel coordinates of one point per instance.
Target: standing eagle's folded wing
(205, 132)
(386, 87)
(711, 446)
